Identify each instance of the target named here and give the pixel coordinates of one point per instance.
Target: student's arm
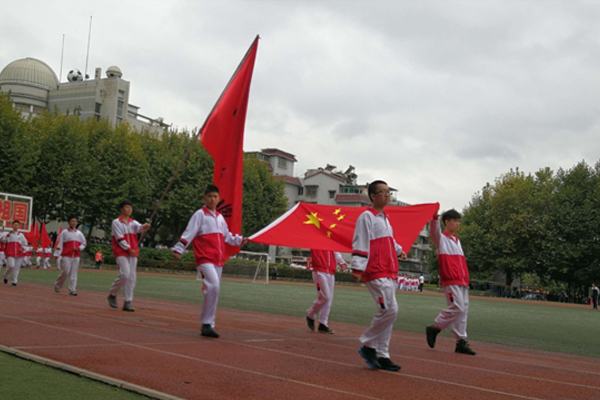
(339, 260)
(232, 240)
(360, 245)
(58, 248)
(188, 235)
(435, 231)
(83, 241)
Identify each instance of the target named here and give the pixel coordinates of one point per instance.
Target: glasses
(384, 192)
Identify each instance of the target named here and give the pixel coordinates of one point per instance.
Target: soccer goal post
(261, 275)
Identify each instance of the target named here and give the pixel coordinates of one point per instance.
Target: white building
(33, 87)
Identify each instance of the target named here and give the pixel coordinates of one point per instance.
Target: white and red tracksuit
(324, 264)
(2, 246)
(15, 243)
(27, 252)
(125, 238)
(454, 275)
(207, 231)
(47, 255)
(38, 256)
(375, 254)
(71, 243)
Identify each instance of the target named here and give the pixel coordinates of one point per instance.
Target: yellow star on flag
(336, 212)
(328, 234)
(341, 217)
(313, 219)
(332, 226)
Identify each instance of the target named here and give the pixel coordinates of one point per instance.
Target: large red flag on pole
(223, 137)
(36, 234)
(46, 241)
(322, 227)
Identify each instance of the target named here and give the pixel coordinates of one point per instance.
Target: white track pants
(70, 266)
(127, 277)
(322, 305)
(211, 285)
(379, 333)
(13, 265)
(456, 314)
(47, 262)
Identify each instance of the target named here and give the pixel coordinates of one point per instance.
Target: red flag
(56, 241)
(45, 238)
(35, 234)
(321, 227)
(223, 137)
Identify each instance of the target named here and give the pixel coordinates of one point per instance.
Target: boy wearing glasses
(375, 259)
(454, 275)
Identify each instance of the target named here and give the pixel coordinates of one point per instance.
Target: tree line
(545, 224)
(85, 168)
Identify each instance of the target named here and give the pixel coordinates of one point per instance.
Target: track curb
(131, 387)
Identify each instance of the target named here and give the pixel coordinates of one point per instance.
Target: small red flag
(321, 227)
(57, 237)
(45, 238)
(223, 137)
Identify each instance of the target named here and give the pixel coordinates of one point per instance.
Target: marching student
(324, 264)
(15, 242)
(126, 250)
(454, 275)
(71, 243)
(38, 256)
(27, 252)
(2, 245)
(375, 259)
(207, 231)
(47, 255)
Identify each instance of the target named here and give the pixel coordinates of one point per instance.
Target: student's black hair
(211, 189)
(17, 221)
(373, 187)
(125, 203)
(75, 216)
(450, 214)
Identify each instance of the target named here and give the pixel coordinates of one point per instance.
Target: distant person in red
(71, 243)
(15, 242)
(454, 275)
(126, 250)
(324, 265)
(99, 259)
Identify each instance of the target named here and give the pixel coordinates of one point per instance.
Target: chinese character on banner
(20, 212)
(5, 209)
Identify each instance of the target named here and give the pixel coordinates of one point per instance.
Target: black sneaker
(311, 323)
(324, 329)
(73, 293)
(208, 331)
(370, 356)
(5, 281)
(112, 301)
(388, 364)
(462, 346)
(14, 284)
(127, 306)
(56, 289)
(431, 333)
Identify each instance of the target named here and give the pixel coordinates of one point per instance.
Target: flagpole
(195, 139)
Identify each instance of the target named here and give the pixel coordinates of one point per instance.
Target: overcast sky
(435, 97)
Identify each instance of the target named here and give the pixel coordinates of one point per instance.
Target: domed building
(29, 81)
(33, 87)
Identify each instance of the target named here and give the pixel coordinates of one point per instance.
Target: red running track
(269, 356)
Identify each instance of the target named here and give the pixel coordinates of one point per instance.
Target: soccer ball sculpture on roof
(75, 75)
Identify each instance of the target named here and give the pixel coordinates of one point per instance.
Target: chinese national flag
(44, 236)
(223, 136)
(321, 227)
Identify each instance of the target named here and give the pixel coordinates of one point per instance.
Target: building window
(120, 108)
(300, 191)
(282, 163)
(332, 194)
(311, 191)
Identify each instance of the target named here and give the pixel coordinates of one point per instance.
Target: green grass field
(532, 325)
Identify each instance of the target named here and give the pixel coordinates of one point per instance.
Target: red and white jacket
(47, 252)
(125, 237)
(71, 243)
(208, 233)
(326, 261)
(28, 250)
(374, 249)
(451, 259)
(15, 244)
(39, 251)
